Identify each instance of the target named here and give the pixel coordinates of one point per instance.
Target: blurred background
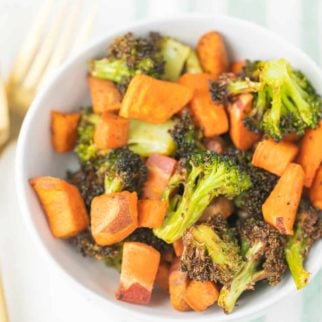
(33, 290)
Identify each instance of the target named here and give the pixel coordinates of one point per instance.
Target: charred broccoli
(211, 252)
(85, 148)
(285, 101)
(263, 182)
(186, 136)
(154, 55)
(307, 230)
(147, 138)
(262, 249)
(209, 175)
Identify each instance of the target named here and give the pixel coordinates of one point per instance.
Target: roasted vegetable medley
(197, 175)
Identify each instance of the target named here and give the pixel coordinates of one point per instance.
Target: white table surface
(34, 291)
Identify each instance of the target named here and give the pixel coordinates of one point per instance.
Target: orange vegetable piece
(64, 130)
(208, 115)
(237, 66)
(178, 247)
(140, 264)
(160, 169)
(152, 100)
(310, 156)
(274, 156)
(201, 295)
(315, 192)
(151, 212)
(178, 283)
(63, 205)
(241, 136)
(280, 208)
(111, 132)
(114, 216)
(162, 278)
(104, 94)
(212, 53)
(196, 82)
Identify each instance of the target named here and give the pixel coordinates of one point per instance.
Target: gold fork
(42, 52)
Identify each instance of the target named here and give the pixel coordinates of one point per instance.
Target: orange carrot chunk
(162, 278)
(140, 264)
(63, 206)
(315, 192)
(178, 283)
(310, 156)
(111, 132)
(152, 100)
(201, 295)
(151, 212)
(280, 208)
(274, 156)
(237, 66)
(113, 217)
(104, 94)
(64, 130)
(178, 247)
(196, 82)
(212, 53)
(160, 169)
(241, 136)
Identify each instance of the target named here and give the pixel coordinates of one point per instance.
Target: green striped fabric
(299, 22)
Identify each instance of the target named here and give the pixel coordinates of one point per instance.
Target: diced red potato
(140, 264)
(160, 169)
(216, 144)
(63, 205)
(240, 135)
(220, 206)
(114, 216)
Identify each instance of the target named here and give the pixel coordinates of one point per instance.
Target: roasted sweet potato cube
(64, 130)
(162, 278)
(151, 212)
(63, 206)
(315, 192)
(111, 132)
(104, 94)
(140, 264)
(114, 216)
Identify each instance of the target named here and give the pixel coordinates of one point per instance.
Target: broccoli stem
(192, 64)
(243, 280)
(294, 253)
(243, 86)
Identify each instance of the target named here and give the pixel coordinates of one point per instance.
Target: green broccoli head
(122, 170)
(208, 176)
(186, 136)
(211, 252)
(307, 230)
(263, 259)
(85, 148)
(154, 55)
(285, 101)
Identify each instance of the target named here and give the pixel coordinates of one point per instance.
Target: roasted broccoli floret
(111, 255)
(85, 148)
(209, 175)
(307, 230)
(154, 55)
(211, 252)
(263, 250)
(147, 138)
(263, 182)
(186, 136)
(285, 101)
(122, 170)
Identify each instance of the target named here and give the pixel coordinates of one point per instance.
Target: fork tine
(86, 28)
(30, 44)
(41, 59)
(63, 43)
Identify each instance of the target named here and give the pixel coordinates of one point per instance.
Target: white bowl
(67, 91)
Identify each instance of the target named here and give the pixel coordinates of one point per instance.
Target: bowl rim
(117, 306)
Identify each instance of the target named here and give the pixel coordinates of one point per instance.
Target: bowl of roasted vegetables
(175, 166)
